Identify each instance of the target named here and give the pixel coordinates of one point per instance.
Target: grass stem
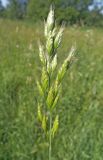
(50, 138)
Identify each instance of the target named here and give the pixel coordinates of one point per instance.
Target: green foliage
(1, 6)
(66, 10)
(37, 10)
(70, 11)
(1, 9)
(80, 111)
(16, 10)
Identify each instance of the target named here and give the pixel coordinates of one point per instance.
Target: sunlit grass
(81, 109)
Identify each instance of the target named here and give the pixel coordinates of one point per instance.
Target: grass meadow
(80, 135)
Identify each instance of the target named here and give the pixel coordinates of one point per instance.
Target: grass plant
(49, 88)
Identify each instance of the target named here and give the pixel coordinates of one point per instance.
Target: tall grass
(50, 84)
(81, 108)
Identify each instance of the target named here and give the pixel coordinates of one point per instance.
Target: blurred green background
(80, 108)
(80, 12)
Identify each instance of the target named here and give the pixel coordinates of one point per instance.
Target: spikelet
(40, 89)
(50, 44)
(56, 86)
(55, 125)
(44, 80)
(54, 32)
(50, 98)
(42, 54)
(50, 22)
(54, 63)
(39, 113)
(49, 69)
(62, 72)
(65, 66)
(70, 57)
(58, 38)
(55, 101)
(44, 123)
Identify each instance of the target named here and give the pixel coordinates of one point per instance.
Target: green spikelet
(62, 72)
(58, 38)
(39, 113)
(55, 101)
(50, 98)
(44, 80)
(44, 121)
(40, 89)
(55, 125)
(50, 44)
(65, 66)
(54, 63)
(42, 54)
(50, 24)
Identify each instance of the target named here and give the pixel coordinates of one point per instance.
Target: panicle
(50, 89)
